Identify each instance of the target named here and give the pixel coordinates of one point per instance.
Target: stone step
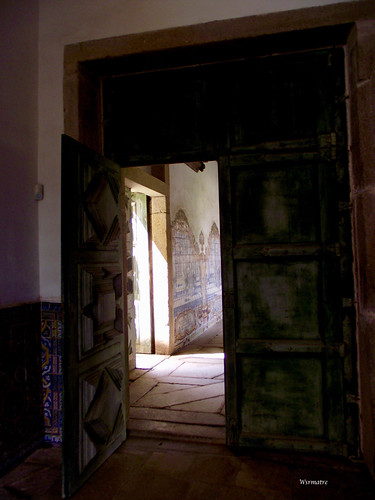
(177, 416)
(178, 431)
(150, 400)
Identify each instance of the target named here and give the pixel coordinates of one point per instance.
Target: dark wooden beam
(197, 166)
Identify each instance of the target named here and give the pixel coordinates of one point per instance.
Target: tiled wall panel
(196, 280)
(51, 337)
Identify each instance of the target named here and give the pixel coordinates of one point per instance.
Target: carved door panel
(95, 348)
(287, 290)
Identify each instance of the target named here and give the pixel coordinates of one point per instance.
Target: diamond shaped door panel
(100, 213)
(102, 409)
(101, 308)
(95, 343)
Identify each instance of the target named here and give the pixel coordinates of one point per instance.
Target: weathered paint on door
(95, 350)
(286, 279)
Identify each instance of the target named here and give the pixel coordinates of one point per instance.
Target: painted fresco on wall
(52, 371)
(196, 280)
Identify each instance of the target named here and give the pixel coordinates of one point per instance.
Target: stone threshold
(176, 431)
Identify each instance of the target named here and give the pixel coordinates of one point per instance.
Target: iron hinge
(327, 146)
(342, 98)
(335, 248)
(333, 146)
(352, 398)
(345, 205)
(347, 302)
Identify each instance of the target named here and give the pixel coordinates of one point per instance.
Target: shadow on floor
(160, 469)
(181, 396)
(193, 465)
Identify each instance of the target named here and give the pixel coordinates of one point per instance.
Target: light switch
(38, 192)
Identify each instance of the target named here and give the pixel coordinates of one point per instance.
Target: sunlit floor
(174, 450)
(181, 395)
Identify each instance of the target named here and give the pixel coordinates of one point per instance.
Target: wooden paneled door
(288, 290)
(95, 347)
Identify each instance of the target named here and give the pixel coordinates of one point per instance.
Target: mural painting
(196, 280)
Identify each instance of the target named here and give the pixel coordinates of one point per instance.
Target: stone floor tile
(201, 433)
(202, 355)
(166, 367)
(99, 491)
(186, 417)
(148, 361)
(135, 374)
(23, 470)
(344, 485)
(151, 444)
(267, 478)
(7, 495)
(35, 484)
(200, 490)
(146, 468)
(53, 493)
(188, 380)
(48, 454)
(164, 388)
(169, 463)
(146, 485)
(190, 467)
(183, 446)
(209, 405)
(193, 356)
(125, 461)
(183, 396)
(140, 387)
(201, 359)
(200, 370)
(106, 481)
(215, 469)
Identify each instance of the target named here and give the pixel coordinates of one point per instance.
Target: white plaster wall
(197, 194)
(71, 21)
(19, 266)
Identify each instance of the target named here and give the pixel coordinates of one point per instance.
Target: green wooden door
(285, 228)
(95, 351)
